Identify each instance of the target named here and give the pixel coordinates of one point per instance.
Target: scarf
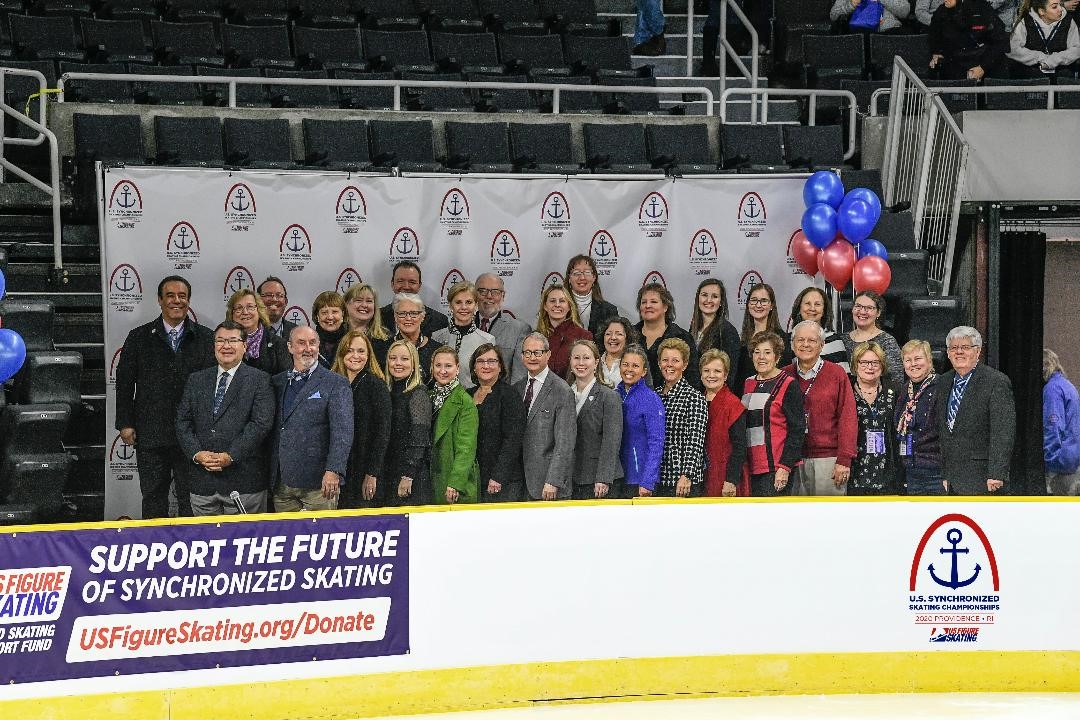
(908, 415)
(459, 333)
(253, 342)
(584, 306)
(439, 393)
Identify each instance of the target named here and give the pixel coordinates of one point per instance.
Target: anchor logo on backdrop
(348, 277)
(237, 279)
(553, 278)
(749, 279)
(703, 252)
(125, 205)
(405, 245)
(653, 276)
(454, 214)
(555, 215)
(751, 217)
(122, 460)
(125, 288)
(451, 279)
(505, 252)
(297, 315)
(653, 215)
(182, 245)
(350, 210)
(240, 211)
(112, 365)
(295, 247)
(603, 251)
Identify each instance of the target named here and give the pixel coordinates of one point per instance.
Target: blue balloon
(855, 221)
(12, 353)
(869, 197)
(823, 187)
(819, 224)
(869, 246)
(3, 285)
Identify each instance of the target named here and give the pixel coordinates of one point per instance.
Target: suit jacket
(316, 434)
(599, 437)
(509, 333)
(980, 445)
(433, 320)
(286, 329)
(453, 449)
(244, 420)
(274, 354)
(547, 447)
(498, 446)
(150, 379)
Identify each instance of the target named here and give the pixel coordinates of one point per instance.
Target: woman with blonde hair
(406, 466)
(558, 321)
(462, 335)
(874, 469)
(917, 439)
(364, 484)
(455, 476)
(1061, 428)
(362, 313)
(725, 435)
(265, 350)
(599, 425)
(328, 312)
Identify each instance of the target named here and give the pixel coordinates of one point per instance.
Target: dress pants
(158, 469)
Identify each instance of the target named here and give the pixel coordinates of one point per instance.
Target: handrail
(814, 94)
(690, 39)
(1050, 90)
(555, 88)
(52, 189)
(42, 87)
(752, 73)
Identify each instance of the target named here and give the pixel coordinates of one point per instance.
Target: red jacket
(560, 341)
(829, 405)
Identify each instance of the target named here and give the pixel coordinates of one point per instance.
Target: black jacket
(274, 354)
(371, 427)
(602, 311)
(673, 331)
(498, 440)
(969, 34)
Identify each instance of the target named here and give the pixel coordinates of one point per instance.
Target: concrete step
(675, 24)
(710, 82)
(675, 65)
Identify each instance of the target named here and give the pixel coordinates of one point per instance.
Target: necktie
(528, 394)
(954, 405)
(484, 324)
(297, 376)
(174, 338)
(219, 395)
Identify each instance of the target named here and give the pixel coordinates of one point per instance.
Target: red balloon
(872, 273)
(804, 253)
(836, 261)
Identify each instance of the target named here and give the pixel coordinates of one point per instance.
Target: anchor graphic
(183, 240)
(296, 243)
(601, 247)
(295, 317)
(238, 204)
(350, 205)
(125, 200)
(703, 240)
(751, 211)
(404, 245)
(653, 211)
(125, 451)
(239, 283)
(954, 537)
(348, 281)
(505, 247)
(455, 208)
(555, 211)
(122, 284)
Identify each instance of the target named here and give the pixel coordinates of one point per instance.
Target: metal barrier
(1051, 92)
(766, 93)
(555, 89)
(750, 74)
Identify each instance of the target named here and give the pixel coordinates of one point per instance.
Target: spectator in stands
(709, 324)
(507, 329)
(365, 485)
(649, 30)
(874, 470)
(643, 426)
(1005, 10)
(406, 278)
(593, 311)
(1045, 41)
(361, 309)
(599, 425)
(558, 321)
(455, 476)
(917, 439)
(409, 313)
(686, 418)
(547, 447)
(224, 415)
(866, 312)
(760, 315)
(617, 335)
(266, 350)
(758, 12)
(462, 334)
(502, 422)
(150, 377)
(967, 41)
(775, 422)
(725, 436)
(976, 419)
(892, 12)
(656, 308)
(313, 431)
(829, 406)
(407, 466)
(1061, 428)
(328, 312)
(814, 304)
(274, 296)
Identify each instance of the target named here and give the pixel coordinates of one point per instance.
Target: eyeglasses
(806, 341)
(245, 308)
(962, 348)
(227, 341)
(869, 363)
(489, 292)
(759, 302)
(487, 361)
(272, 296)
(534, 353)
(865, 308)
(409, 314)
(578, 274)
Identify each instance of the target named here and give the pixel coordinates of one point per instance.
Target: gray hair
(409, 297)
(964, 331)
(808, 323)
(1051, 364)
(539, 337)
(636, 349)
(493, 276)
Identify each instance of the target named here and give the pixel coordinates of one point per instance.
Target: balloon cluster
(835, 236)
(12, 347)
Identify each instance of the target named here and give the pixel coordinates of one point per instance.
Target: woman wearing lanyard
(775, 423)
(874, 470)
(916, 422)
(1045, 41)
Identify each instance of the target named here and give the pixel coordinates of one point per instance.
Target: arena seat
(19, 88)
(753, 148)
(617, 148)
(599, 55)
(1016, 101)
(828, 59)
(680, 149)
(868, 179)
(109, 138)
(69, 8)
(326, 14)
(515, 17)
(32, 319)
(257, 46)
(914, 49)
(261, 12)
(503, 100)
(957, 102)
(792, 20)
(436, 98)
(194, 10)
(189, 141)
(895, 231)
(145, 10)
(246, 95)
(570, 102)
(780, 112)
(187, 43)
(545, 148)
(336, 144)
(166, 93)
(307, 96)
(405, 144)
(391, 50)
(329, 48)
(33, 429)
(455, 16)
(34, 37)
(35, 480)
(525, 52)
(478, 147)
(18, 514)
(863, 90)
(633, 103)
(117, 40)
(97, 91)
(471, 52)
(575, 17)
(258, 143)
(929, 318)
(908, 274)
(50, 377)
(365, 98)
(814, 147)
(389, 15)
(1068, 100)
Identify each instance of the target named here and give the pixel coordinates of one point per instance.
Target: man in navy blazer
(313, 431)
(225, 414)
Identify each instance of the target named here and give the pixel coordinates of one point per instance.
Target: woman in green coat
(454, 472)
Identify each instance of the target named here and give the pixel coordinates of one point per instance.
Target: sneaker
(656, 45)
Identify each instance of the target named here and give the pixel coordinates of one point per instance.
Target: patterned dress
(874, 469)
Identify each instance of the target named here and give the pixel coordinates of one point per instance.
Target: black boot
(709, 67)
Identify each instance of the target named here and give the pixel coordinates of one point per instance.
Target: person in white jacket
(1045, 41)
(893, 11)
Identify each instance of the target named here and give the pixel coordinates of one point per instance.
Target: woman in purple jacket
(1061, 429)
(643, 425)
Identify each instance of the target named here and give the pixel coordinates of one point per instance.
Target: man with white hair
(977, 418)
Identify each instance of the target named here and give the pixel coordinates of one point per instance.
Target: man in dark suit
(276, 299)
(313, 430)
(547, 447)
(225, 414)
(155, 363)
(406, 278)
(977, 419)
(509, 332)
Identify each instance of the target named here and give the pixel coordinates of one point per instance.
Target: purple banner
(89, 603)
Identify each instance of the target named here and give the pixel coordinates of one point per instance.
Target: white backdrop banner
(225, 230)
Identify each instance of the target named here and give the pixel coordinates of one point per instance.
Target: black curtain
(1020, 345)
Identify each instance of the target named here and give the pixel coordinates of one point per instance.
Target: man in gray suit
(977, 419)
(509, 332)
(224, 415)
(547, 447)
(313, 432)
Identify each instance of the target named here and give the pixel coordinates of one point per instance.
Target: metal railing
(1051, 92)
(397, 85)
(43, 134)
(925, 165)
(750, 73)
(766, 93)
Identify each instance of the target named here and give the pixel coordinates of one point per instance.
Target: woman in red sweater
(558, 321)
(775, 423)
(725, 436)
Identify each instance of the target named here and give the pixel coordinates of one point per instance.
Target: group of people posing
(402, 405)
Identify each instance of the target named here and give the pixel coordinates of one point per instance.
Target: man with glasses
(406, 278)
(225, 414)
(547, 447)
(509, 332)
(276, 299)
(977, 419)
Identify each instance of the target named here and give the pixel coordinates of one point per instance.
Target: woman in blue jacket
(643, 425)
(1061, 429)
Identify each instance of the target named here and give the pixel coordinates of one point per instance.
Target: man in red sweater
(831, 424)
